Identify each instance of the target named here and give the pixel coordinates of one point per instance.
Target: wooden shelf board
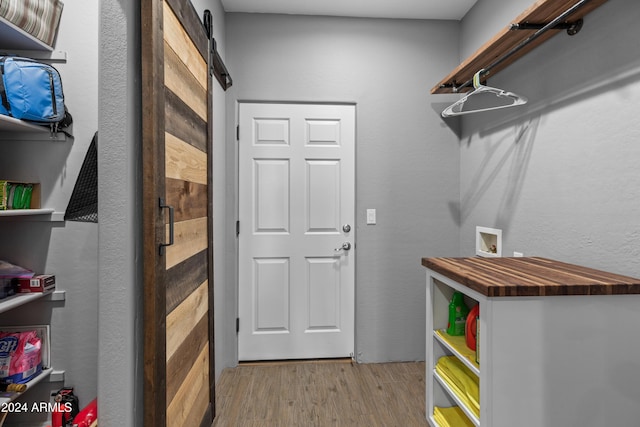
(541, 12)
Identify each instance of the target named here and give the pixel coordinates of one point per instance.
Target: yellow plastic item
(461, 380)
(451, 417)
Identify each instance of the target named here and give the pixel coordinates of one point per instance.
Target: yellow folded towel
(462, 380)
(451, 417)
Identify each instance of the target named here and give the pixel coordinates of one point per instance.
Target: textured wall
(407, 158)
(560, 175)
(119, 269)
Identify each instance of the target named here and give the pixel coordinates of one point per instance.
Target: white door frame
(354, 356)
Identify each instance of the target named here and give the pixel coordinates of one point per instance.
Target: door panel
(177, 205)
(323, 196)
(272, 195)
(297, 190)
(272, 294)
(323, 283)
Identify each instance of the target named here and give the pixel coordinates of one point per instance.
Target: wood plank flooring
(323, 393)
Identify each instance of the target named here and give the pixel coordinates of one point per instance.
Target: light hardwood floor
(324, 393)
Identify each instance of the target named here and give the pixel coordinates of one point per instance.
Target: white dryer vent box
(488, 242)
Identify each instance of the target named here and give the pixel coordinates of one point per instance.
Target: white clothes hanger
(455, 109)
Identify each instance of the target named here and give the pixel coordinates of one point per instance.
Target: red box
(38, 283)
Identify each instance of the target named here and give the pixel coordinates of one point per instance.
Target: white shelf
(13, 301)
(14, 38)
(36, 215)
(10, 124)
(474, 419)
(464, 358)
(26, 212)
(12, 129)
(7, 396)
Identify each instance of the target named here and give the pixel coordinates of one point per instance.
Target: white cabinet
(559, 343)
(439, 344)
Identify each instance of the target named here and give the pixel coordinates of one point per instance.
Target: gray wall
(407, 158)
(119, 249)
(560, 175)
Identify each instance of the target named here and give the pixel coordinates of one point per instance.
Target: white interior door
(297, 210)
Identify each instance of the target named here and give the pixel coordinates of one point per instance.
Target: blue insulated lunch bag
(30, 90)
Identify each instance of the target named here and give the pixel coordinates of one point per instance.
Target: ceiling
(407, 9)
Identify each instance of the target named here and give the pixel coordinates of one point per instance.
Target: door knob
(345, 247)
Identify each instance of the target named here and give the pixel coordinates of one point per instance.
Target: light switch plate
(371, 216)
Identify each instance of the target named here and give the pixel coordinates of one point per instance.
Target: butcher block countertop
(530, 276)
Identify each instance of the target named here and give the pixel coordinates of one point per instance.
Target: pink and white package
(20, 356)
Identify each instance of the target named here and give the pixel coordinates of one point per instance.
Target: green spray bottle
(458, 311)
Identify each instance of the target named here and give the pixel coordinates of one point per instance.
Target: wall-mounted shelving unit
(524, 34)
(14, 40)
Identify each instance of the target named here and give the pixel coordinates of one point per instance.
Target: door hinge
(238, 133)
(237, 325)
(237, 228)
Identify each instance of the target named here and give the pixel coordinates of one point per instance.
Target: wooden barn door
(177, 209)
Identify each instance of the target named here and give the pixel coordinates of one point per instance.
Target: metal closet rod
(551, 25)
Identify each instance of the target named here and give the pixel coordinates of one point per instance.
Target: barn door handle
(163, 206)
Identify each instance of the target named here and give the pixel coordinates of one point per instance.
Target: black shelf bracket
(572, 28)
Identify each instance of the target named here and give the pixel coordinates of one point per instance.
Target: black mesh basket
(83, 205)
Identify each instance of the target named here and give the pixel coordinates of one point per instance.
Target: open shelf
(17, 300)
(541, 12)
(14, 38)
(12, 129)
(9, 124)
(458, 347)
(8, 396)
(26, 212)
(473, 417)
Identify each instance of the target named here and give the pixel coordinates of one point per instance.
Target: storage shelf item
(30, 25)
(445, 386)
(449, 416)
(458, 347)
(526, 32)
(17, 300)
